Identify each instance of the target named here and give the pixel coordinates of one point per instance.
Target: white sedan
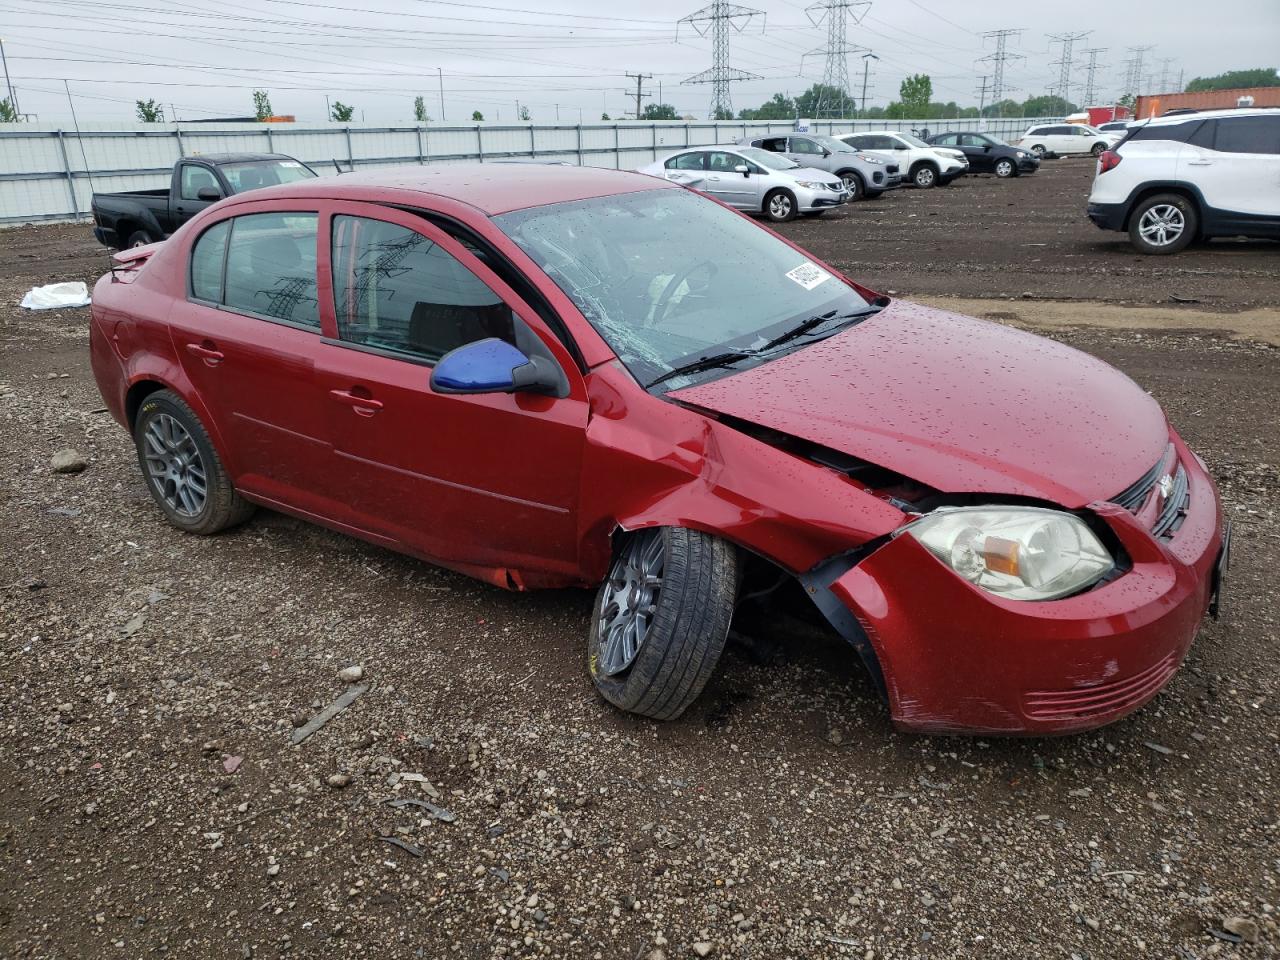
(752, 179)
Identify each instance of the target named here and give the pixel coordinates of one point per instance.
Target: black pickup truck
(139, 217)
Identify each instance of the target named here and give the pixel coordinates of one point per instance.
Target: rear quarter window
(1248, 135)
(207, 259)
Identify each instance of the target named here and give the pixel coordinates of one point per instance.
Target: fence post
(418, 130)
(71, 184)
(617, 149)
(533, 142)
(686, 133)
(351, 160)
(479, 144)
(177, 132)
(271, 148)
(579, 143)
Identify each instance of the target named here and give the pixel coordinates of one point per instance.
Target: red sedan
(550, 376)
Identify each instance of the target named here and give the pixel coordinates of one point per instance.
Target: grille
(1175, 506)
(1085, 702)
(1135, 496)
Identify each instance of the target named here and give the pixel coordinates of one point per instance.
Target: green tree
(477, 115)
(723, 115)
(822, 101)
(420, 110)
(1126, 101)
(341, 112)
(524, 114)
(780, 107)
(1047, 106)
(914, 93)
(262, 105)
(1234, 79)
(150, 112)
(7, 112)
(1005, 108)
(658, 111)
(604, 116)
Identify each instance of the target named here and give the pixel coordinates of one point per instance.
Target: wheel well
(1146, 192)
(137, 393)
(779, 190)
(851, 172)
(124, 229)
(922, 163)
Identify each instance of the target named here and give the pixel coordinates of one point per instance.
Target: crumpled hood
(962, 405)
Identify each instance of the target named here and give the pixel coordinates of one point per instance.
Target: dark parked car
(138, 217)
(546, 376)
(988, 154)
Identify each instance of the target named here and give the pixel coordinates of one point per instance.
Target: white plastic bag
(55, 295)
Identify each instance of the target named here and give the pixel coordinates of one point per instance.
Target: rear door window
(804, 145)
(397, 290)
(271, 267)
(1248, 135)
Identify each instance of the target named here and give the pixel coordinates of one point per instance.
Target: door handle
(1199, 163)
(717, 179)
(365, 406)
(209, 355)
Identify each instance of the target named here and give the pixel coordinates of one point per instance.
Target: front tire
(853, 183)
(182, 470)
(1163, 224)
(1097, 150)
(661, 619)
(1005, 169)
(780, 206)
(924, 176)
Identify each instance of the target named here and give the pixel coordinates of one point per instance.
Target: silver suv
(864, 175)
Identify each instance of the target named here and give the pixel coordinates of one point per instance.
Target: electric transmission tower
(1134, 80)
(834, 95)
(1164, 73)
(1063, 64)
(998, 59)
(716, 19)
(1090, 72)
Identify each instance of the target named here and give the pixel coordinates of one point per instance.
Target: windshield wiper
(800, 329)
(703, 363)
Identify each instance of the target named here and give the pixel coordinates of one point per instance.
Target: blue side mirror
(493, 366)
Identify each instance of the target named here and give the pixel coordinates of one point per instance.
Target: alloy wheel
(1004, 168)
(924, 177)
(174, 466)
(780, 206)
(629, 601)
(1162, 224)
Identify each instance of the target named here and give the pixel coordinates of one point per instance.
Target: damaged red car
(551, 376)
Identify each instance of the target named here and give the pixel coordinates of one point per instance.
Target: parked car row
(1184, 177)
(805, 174)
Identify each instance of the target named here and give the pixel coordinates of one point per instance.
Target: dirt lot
(152, 803)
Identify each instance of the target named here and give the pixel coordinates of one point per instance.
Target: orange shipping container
(1157, 104)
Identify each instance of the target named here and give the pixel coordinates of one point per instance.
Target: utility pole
(440, 77)
(1090, 72)
(835, 72)
(640, 93)
(13, 100)
(716, 19)
(1064, 63)
(866, 62)
(998, 59)
(982, 95)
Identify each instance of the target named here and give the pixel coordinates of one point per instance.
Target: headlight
(1022, 154)
(866, 159)
(1022, 553)
(811, 185)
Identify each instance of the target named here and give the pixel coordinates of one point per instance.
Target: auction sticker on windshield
(809, 275)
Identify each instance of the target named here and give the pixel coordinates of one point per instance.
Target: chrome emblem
(1166, 486)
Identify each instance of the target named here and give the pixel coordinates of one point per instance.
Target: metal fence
(51, 173)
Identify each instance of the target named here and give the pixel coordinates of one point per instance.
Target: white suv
(1067, 138)
(924, 164)
(1176, 178)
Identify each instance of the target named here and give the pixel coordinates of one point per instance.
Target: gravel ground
(154, 803)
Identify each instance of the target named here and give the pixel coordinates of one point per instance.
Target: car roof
(217, 158)
(490, 188)
(1211, 114)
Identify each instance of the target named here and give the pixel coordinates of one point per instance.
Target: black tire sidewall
(768, 201)
(915, 175)
(130, 242)
(216, 497)
(1189, 233)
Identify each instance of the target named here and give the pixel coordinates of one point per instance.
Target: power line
(833, 96)
(715, 19)
(1063, 64)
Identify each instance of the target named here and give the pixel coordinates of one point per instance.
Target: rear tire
(139, 238)
(780, 206)
(1005, 169)
(653, 646)
(1163, 224)
(182, 470)
(1039, 150)
(1097, 150)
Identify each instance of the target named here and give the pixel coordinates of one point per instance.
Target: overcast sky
(205, 58)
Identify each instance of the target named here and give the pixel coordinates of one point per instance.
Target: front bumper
(957, 659)
(1028, 164)
(1107, 216)
(808, 200)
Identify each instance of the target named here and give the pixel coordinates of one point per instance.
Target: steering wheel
(664, 299)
